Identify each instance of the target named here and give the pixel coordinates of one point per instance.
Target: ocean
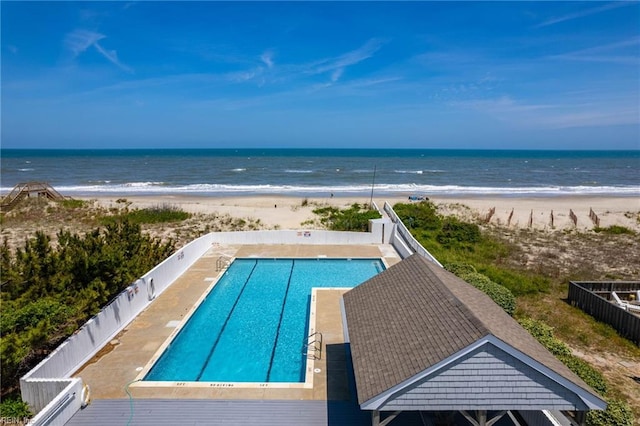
(320, 173)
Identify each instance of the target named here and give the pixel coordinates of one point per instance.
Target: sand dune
(543, 213)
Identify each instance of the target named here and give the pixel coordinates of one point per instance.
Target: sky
(483, 75)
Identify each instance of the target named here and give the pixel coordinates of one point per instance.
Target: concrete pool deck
(111, 372)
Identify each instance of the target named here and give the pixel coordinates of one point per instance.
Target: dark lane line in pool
(226, 321)
(284, 302)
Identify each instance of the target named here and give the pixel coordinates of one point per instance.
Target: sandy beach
(284, 212)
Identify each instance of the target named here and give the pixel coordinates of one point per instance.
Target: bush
(15, 409)
(618, 413)
(355, 218)
(456, 233)
(544, 334)
(460, 268)
(422, 215)
(586, 372)
(158, 214)
(499, 294)
(614, 230)
(73, 204)
(47, 289)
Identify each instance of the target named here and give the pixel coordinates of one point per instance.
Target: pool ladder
(312, 349)
(222, 263)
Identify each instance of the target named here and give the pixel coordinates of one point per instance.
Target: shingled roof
(415, 317)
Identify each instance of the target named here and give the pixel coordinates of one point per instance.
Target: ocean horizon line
(308, 149)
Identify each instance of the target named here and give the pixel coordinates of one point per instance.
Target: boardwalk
(28, 190)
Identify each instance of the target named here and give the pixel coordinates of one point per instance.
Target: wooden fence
(594, 299)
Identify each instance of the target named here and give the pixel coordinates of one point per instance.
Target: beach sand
(285, 212)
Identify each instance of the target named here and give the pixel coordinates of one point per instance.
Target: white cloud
(112, 56)
(585, 12)
(350, 58)
(78, 41)
(336, 74)
(603, 53)
(267, 58)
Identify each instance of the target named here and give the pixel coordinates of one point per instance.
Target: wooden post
(489, 215)
(531, 219)
(573, 217)
(594, 217)
(510, 216)
(552, 218)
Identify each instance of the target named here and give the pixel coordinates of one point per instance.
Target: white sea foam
(380, 189)
(414, 172)
(143, 184)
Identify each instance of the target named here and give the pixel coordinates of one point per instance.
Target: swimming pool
(253, 324)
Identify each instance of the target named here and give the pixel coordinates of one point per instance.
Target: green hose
(126, 389)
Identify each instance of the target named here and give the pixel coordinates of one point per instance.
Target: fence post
(573, 217)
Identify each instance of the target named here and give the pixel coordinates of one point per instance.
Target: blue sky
(516, 75)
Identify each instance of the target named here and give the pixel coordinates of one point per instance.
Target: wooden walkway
(27, 190)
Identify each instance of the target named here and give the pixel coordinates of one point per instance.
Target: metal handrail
(317, 350)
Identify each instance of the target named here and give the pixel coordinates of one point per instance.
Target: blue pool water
(252, 325)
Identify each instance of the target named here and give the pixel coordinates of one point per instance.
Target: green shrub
(33, 313)
(456, 233)
(422, 215)
(499, 294)
(355, 218)
(618, 413)
(586, 372)
(73, 204)
(459, 269)
(614, 230)
(14, 409)
(48, 289)
(544, 334)
(158, 214)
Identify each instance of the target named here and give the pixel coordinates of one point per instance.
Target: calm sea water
(317, 172)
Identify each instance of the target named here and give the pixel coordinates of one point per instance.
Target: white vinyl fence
(403, 241)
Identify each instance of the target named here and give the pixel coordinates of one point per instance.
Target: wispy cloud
(336, 65)
(112, 56)
(583, 13)
(571, 114)
(604, 53)
(336, 74)
(78, 41)
(13, 49)
(267, 58)
(266, 71)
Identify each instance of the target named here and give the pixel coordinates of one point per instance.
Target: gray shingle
(416, 314)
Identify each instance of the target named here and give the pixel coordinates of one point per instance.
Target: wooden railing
(26, 190)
